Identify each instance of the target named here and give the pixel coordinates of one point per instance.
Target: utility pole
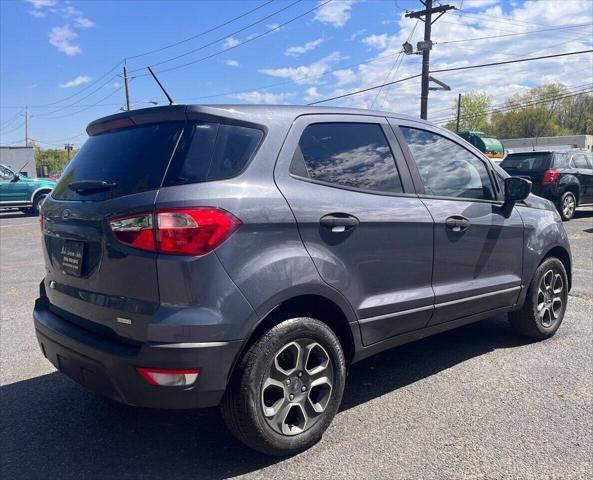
(458, 112)
(68, 147)
(127, 90)
(426, 16)
(26, 126)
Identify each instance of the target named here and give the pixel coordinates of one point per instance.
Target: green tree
(54, 159)
(473, 114)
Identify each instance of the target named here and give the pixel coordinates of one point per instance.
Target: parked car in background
(24, 193)
(245, 256)
(564, 177)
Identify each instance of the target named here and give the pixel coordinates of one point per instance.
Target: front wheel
(567, 206)
(545, 304)
(287, 388)
(37, 202)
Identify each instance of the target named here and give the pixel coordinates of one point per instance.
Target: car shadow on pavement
(53, 428)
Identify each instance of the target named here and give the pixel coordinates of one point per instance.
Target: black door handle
(457, 223)
(339, 222)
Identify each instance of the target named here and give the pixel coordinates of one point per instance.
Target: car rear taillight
(168, 378)
(179, 231)
(550, 176)
(135, 231)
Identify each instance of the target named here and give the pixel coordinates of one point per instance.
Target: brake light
(550, 176)
(168, 378)
(179, 231)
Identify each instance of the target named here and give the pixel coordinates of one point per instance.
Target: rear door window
(351, 155)
(446, 168)
(212, 151)
(134, 159)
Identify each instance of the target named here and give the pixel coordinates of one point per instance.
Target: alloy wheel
(550, 298)
(568, 206)
(298, 387)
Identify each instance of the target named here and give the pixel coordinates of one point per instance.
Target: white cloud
(344, 77)
(62, 38)
(232, 63)
(37, 13)
(307, 47)
(75, 82)
(263, 97)
(115, 84)
(274, 26)
(312, 94)
(357, 34)
(377, 41)
(230, 42)
(336, 13)
(42, 3)
(479, 3)
(83, 22)
(305, 73)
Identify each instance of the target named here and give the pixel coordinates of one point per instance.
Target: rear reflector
(180, 231)
(168, 378)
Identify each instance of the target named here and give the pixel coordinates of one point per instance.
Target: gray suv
(245, 256)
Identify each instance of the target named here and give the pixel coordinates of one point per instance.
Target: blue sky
(54, 49)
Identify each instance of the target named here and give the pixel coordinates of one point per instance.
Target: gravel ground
(477, 402)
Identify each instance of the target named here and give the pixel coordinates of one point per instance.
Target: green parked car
(19, 191)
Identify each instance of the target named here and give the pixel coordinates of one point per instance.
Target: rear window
(211, 151)
(135, 159)
(532, 161)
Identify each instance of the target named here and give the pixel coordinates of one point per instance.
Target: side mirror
(15, 178)
(515, 190)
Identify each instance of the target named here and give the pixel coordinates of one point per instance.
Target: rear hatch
(529, 165)
(92, 279)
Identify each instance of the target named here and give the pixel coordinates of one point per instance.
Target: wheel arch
(561, 254)
(327, 307)
(38, 191)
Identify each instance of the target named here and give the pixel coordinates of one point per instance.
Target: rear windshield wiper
(91, 186)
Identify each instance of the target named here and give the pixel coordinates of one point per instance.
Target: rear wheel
(567, 206)
(287, 388)
(545, 305)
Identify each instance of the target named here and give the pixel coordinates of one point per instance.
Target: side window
(5, 175)
(354, 155)
(580, 161)
(447, 169)
(211, 151)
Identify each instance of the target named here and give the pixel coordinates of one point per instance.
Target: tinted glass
(354, 155)
(447, 169)
(580, 161)
(529, 161)
(210, 151)
(135, 159)
(561, 160)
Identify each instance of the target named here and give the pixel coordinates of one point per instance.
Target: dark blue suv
(247, 255)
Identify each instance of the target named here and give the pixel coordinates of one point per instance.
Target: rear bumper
(109, 367)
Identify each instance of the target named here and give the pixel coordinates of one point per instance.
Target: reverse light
(179, 231)
(168, 378)
(550, 176)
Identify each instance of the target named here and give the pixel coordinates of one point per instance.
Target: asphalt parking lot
(477, 402)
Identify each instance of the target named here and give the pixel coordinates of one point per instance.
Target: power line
(86, 108)
(516, 106)
(201, 34)
(356, 92)
(20, 125)
(218, 40)
(513, 34)
(240, 44)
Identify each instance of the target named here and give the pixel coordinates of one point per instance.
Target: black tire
(37, 202)
(244, 402)
(567, 206)
(531, 320)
